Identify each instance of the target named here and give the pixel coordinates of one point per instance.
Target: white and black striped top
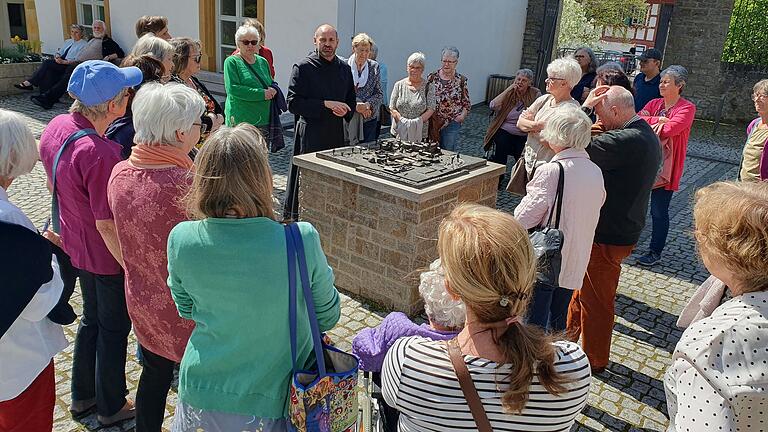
(418, 379)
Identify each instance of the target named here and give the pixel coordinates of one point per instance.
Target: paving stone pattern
(628, 396)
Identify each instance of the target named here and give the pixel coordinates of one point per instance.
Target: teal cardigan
(231, 277)
(245, 93)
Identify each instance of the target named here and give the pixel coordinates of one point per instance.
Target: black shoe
(41, 102)
(21, 86)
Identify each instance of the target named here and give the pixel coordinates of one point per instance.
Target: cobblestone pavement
(628, 396)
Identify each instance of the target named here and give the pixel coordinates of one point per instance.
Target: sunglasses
(249, 42)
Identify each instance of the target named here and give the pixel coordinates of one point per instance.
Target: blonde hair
(731, 226)
(253, 22)
(232, 174)
(361, 38)
(489, 262)
(18, 151)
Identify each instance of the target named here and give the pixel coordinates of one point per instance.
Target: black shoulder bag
(547, 241)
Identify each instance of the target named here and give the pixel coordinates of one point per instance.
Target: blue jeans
(660, 199)
(449, 136)
(369, 130)
(549, 307)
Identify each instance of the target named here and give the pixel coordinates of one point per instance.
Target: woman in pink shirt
(144, 194)
(671, 116)
(567, 133)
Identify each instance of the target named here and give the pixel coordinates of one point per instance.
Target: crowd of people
(163, 209)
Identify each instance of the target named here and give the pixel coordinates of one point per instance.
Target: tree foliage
(575, 28)
(747, 35)
(612, 12)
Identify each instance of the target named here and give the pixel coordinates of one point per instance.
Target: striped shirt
(418, 380)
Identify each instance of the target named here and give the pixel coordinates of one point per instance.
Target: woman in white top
(567, 133)
(562, 75)
(411, 103)
(718, 379)
(28, 339)
(525, 380)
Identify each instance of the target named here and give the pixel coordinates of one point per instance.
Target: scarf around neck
(360, 78)
(143, 154)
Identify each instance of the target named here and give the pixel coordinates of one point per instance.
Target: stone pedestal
(378, 235)
(15, 73)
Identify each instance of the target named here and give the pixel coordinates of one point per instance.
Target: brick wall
(532, 34)
(376, 243)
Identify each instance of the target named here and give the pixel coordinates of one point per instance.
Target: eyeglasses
(197, 58)
(450, 61)
(552, 79)
(203, 127)
(249, 42)
(758, 96)
(580, 56)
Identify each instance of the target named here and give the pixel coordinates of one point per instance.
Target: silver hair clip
(504, 302)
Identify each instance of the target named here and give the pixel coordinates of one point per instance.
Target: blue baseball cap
(94, 82)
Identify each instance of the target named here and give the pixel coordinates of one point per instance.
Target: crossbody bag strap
(253, 71)
(468, 387)
(306, 287)
(558, 197)
(55, 222)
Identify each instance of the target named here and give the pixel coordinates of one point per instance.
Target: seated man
(52, 69)
(100, 47)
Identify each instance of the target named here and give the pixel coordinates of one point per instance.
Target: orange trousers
(591, 312)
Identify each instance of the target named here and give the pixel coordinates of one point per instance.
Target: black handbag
(547, 241)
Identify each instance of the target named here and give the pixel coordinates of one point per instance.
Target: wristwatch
(588, 110)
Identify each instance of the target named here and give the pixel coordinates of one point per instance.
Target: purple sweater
(372, 344)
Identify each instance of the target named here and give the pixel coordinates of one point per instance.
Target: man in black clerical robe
(321, 94)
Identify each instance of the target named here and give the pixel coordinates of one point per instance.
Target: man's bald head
(325, 28)
(326, 41)
(617, 108)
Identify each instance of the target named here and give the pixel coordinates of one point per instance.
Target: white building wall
(290, 26)
(49, 22)
(489, 35)
(183, 18)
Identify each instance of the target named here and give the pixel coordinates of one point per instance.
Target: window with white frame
(231, 14)
(88, 11)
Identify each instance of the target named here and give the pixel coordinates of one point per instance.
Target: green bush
(747, 37)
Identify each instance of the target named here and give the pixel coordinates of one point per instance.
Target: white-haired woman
(367, 79)
(567, 133)
(248, 83)
(562, 75)
(160, 49)
(452, 103)
(411, 103)
(31, 288)
(672, 117)
(588, 63)
(144, 194)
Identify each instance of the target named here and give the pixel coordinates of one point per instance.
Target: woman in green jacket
(228, 272)
(247, 82)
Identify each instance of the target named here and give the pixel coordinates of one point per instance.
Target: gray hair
(592, 58)
(96, 112)
(677, 73)
(417, 57)
(438, 304)
(99, 21)
(157, 47)
(761, 87)
(450, 51)
(78, 27)
(18, 151)
(568, 127)
(161, 110)
(245, 30)
(526, 73)
(566, 68)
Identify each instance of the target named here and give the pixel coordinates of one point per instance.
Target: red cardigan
(677, 129)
